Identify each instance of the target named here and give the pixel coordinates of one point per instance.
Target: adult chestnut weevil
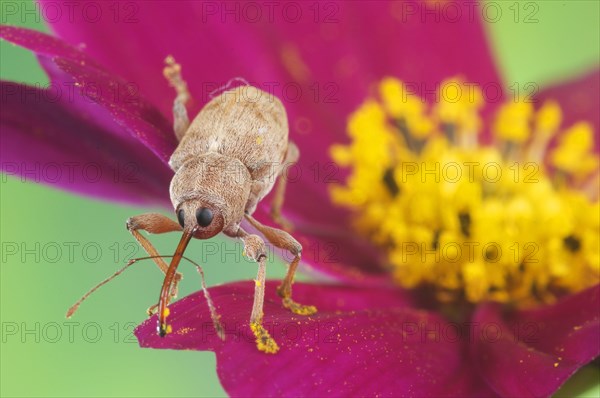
(228, 159)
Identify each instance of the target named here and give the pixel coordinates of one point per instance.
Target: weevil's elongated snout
(163, 310)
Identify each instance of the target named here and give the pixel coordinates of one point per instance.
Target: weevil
(233, 153)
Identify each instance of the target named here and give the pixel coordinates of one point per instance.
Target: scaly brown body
(241, 129)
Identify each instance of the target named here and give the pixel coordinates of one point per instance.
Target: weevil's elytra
(229, 154)
(228, 159)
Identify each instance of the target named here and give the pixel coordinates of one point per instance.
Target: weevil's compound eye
(204, 217)
(180, 217)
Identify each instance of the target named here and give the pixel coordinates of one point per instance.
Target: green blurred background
(95, 354)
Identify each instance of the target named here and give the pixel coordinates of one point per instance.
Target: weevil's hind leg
(283, 240)
(291, 157)
(172, 73)
(254, 248)
(154, 223)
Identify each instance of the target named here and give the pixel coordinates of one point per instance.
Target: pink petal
(134, 117)
(103, 96)
(532, 353)
(579, 99)
(350, 44)
(134, 44)
(344, 46)
(45, 140)
(362, 342)
(342, 256)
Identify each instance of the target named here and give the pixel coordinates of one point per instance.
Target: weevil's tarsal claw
(284, 291)
(264, 341)
(297, 308)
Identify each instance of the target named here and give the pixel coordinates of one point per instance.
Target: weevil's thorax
(244, 123)
(212, 181)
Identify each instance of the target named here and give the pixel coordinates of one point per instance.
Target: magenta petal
(135, 43)
(103, 96)
(43, 44)
(532, 353)
(362, 342)
(44, 140)
(338, 254)
(579, 100)
(350, 44)
(320, 65)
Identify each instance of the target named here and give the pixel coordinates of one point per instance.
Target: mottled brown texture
(230, 156)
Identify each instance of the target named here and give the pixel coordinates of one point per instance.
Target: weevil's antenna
(75, 306)
(211, 306)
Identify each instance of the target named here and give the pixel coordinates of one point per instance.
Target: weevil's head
(209, 193)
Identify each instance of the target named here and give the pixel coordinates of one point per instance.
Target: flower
(370, 337)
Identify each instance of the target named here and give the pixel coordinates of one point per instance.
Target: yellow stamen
(467, 220)
(548, 118)
(574, 152)
(458, 109)
(402, 105)
(547, 123)
(513, 121)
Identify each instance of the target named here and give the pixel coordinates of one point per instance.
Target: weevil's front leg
(291, 157)
(172, 73)
(254, 248)
(154, 223)
(283, 240)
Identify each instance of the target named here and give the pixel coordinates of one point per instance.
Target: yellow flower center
(509, 222)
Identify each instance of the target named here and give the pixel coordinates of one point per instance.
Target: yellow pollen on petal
(166, 312)
(467, 221)
(264, 341)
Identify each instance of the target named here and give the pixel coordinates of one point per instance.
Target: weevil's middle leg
(283, 240)
(172, 73)
(154, 223)
(254, 248)
(291, 157)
